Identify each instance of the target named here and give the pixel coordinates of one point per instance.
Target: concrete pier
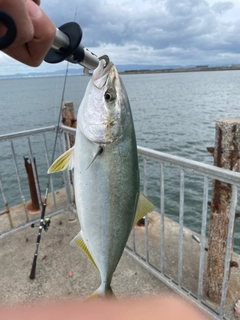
(64, 272)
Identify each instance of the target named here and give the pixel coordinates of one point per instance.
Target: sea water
(173, 112)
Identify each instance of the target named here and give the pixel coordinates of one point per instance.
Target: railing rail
(202, 168)
(26, 133)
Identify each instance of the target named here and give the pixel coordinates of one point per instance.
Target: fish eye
(107, 96)
(110, 95)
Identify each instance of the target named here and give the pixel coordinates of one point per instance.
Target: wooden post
(34, 205)
(227, 156)
(68, 119)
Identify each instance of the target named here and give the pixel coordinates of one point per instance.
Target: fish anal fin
(79, 242)
(63, 162)
(144, 207)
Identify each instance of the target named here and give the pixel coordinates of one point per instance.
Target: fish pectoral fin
(63, 162)
(99, 151)
(79, 242)
(144, 207)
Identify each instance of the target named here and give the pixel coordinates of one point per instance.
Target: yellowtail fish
(106, 174)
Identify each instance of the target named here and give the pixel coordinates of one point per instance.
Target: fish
(106, 173)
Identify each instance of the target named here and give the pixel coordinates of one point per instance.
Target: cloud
(222, 7)
(155, 31)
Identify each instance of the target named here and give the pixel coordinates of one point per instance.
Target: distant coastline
(126, 69)
(190, 69)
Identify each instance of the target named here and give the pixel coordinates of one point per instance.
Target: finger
(44, 32)
(18, 11)
(33, 52)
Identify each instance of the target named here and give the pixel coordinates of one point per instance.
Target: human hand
(166, 308)
(35, 31)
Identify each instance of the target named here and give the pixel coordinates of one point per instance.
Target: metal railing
(14, 188)
(207, 173)
(159, 173)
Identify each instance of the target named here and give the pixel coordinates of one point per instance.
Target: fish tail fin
(107, 293)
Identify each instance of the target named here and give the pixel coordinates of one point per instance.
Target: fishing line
(44, 223)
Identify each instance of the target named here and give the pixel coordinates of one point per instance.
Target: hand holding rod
(67, 46)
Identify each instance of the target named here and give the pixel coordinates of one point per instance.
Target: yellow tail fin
(107, 293)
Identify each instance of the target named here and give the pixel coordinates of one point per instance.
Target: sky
(148, 32)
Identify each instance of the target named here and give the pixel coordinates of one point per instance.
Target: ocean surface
(173, 113)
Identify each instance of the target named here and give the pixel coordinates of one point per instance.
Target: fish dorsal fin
(99, 151)
(144, 207)
(79, 242)
(63, 162)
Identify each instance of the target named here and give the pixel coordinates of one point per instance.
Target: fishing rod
(45, 222)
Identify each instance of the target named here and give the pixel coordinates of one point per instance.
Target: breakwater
(178, 70)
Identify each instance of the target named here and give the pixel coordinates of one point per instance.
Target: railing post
(7, 211)
(227, 156)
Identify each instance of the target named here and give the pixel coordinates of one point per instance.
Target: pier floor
(64, 272)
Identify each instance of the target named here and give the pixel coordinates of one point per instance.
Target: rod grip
(33, 270)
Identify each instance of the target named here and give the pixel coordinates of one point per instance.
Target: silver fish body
(106, 174)
(107, 192)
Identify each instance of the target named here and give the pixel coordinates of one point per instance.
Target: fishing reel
(67, 46)
(45, 224)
